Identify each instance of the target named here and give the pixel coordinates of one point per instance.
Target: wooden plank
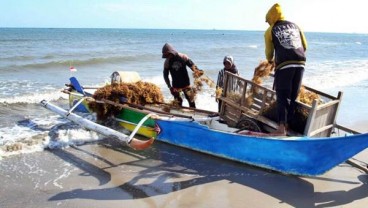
(228, 101)
(354, 164)
(346, 129)
(320, 93)
(250, 82)
(322, 118)
(257, 101)
(231, 115)
(312, 114)
(255, 107)
(308, 107)
(183, 107)
(267, 121)
(317, 131)
(140, 108)
(339, 97)
(243, 93)
(226, 80)
(325, 117)
(235, 105)
(327, 105)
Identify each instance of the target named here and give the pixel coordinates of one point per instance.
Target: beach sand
(106, 174)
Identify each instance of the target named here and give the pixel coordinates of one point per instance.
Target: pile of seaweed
(298, 122)
(307, 97)
(139, 93)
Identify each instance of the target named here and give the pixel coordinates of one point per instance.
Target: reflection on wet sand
(169, 171)
(334, 199)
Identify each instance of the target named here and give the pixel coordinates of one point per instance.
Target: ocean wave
(156, 79)
(328, 75)
(234, 48)
(46, 62)
(11, 40)
(11, 58)
(33, 97)
(32, 135)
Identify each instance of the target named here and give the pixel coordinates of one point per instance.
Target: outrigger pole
(128, 140)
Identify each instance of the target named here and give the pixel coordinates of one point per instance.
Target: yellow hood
(274, 14)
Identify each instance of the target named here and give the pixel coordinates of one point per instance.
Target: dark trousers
(287, 86)
(187, 92)
(219, 105)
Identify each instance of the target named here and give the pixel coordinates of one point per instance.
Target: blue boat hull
(298, 156)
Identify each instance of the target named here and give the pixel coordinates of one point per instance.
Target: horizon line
(127, 28)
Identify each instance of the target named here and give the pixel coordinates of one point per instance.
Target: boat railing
(322, 118)
(344, 131)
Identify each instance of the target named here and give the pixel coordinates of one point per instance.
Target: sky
(340, 16)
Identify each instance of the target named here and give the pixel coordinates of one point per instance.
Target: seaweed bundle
(139, 93)
(199, 79)
(263, 69)
(298, 122)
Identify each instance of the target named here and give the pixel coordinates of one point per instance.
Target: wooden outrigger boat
(231, 133)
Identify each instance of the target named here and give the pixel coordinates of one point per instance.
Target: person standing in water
(176, 65)
(229, 66)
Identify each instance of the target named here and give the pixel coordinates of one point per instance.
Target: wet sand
(105, 174)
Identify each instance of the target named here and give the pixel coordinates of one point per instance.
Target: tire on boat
(248, 124)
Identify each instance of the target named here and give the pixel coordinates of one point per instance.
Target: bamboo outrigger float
(111, 133)
(231, 135)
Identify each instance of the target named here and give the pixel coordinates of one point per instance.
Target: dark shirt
(176, 67)
(287, 40)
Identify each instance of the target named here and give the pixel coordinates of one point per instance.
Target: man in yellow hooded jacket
(285, 46)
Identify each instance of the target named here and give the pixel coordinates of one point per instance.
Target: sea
(35, 65)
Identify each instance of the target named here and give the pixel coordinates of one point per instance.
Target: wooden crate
(243, 97)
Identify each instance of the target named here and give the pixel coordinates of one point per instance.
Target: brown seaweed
(139, 93)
